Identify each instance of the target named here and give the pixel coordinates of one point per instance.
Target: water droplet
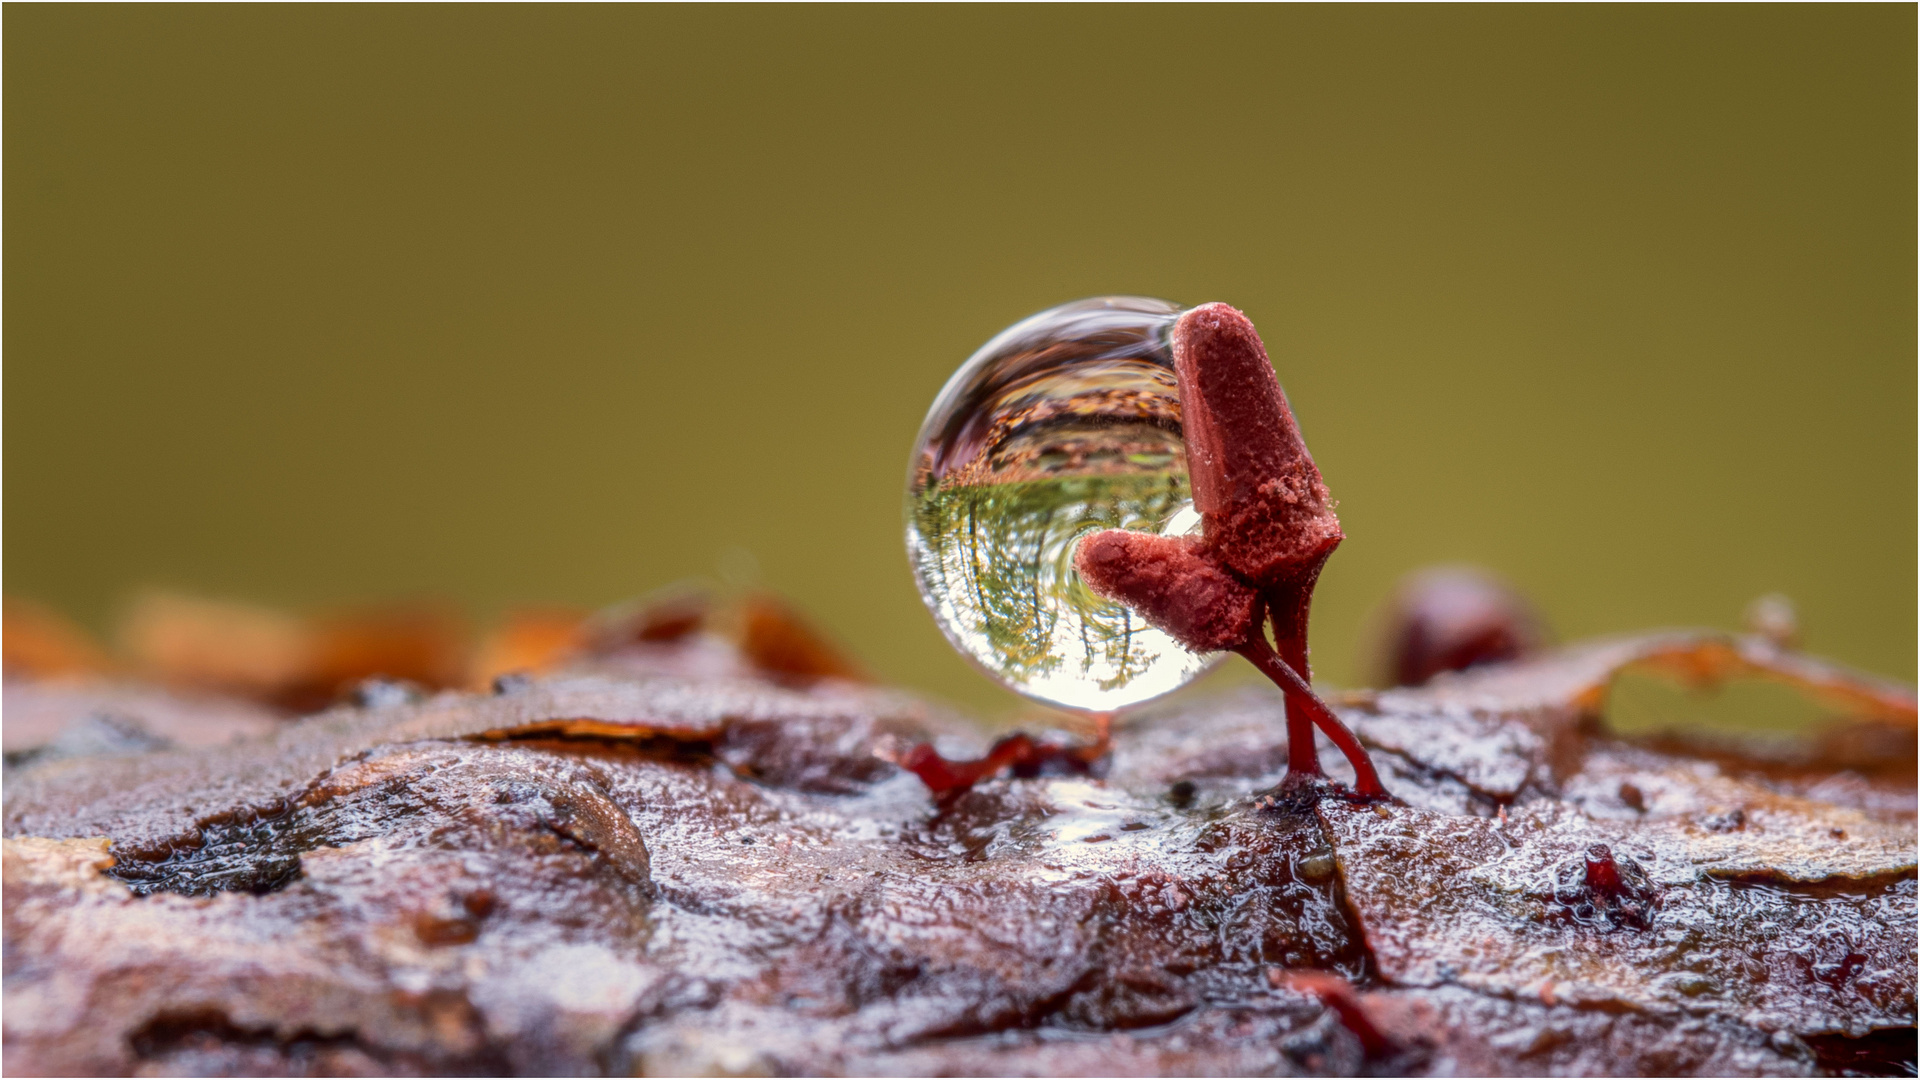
(1066, 423)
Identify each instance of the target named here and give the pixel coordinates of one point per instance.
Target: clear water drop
(1064, 424)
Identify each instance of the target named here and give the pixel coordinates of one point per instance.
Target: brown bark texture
(668, 856)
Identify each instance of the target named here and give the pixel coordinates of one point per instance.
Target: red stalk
(1304, 704)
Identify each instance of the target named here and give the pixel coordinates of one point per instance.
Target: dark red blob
(1603, 873)
(1604, 890)
(1451, 619)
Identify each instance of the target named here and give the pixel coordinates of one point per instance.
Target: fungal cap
(1267, 514)
(1172, 586)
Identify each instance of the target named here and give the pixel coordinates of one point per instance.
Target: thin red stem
(1303, 757)
(1366, 781)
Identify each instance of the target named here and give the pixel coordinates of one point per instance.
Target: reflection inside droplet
(1064, 424)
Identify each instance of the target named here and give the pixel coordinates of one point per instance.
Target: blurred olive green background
(522, 305)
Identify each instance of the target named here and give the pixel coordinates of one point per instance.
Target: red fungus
(1267, 529)
(1451, 619)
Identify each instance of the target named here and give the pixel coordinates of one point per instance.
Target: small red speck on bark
(1603, 874)
(1337, 994)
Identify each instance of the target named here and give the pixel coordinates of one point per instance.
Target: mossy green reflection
(996, 560)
